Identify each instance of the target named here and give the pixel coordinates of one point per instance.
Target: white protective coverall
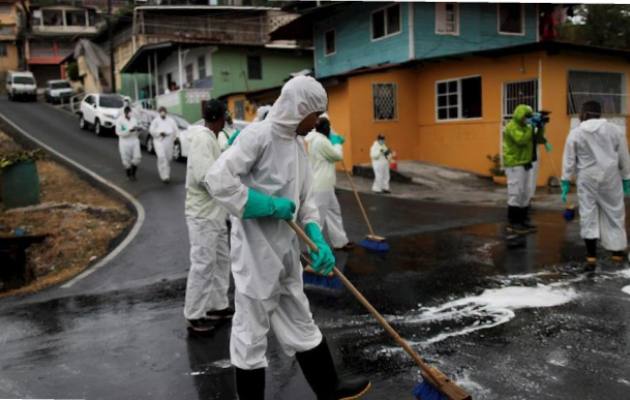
(269, 158)
(323, 155)
(209, 276)
(380, 164)
(597, 152)
(261, 113)
(163, 131)
(224, 136)
(128, 142)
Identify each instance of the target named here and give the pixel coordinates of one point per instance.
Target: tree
(606, 25)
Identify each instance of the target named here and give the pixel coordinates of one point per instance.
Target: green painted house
(182, 75)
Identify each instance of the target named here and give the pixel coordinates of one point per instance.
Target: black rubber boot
(591, 253)
(133, 172)
(515, 221)
(250, 384)
(527, 223)
(320, 373)
(128, 172)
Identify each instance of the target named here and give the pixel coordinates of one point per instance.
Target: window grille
(607, 88)
(384, 101)
(522, 92)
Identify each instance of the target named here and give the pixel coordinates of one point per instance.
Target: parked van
(21, 84)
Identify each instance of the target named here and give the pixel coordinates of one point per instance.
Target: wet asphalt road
(508, 324)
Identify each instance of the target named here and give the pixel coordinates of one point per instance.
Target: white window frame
(395, 118)
(387, 34)
(459, 99)
(437, 18)
(523, 19)
(326, 54)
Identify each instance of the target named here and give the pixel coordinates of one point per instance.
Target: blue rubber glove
(337, 139)
(260, 205)
(323, 260)
(548, 147)
(566, 186)
(626, 187)
(233, 137)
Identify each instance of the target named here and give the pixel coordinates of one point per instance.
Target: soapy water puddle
(493, 306)
(213, 368)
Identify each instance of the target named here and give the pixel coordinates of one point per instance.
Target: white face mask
(381, 141)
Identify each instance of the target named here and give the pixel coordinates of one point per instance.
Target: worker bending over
(597, 152)
(264, 179)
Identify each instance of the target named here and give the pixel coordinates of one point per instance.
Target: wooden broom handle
(379, 318)
(356, 194)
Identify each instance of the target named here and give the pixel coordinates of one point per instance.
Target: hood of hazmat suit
(518, 140)
(597, 152)
(261, 113)
(270, 158)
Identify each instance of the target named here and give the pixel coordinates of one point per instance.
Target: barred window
(384, 101)
(607, 88)
(522, 92)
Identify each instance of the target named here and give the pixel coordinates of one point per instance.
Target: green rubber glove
(260, 205)
(337, 139)
(626, 187)
(323, 260)
(566, 186)
(548, 147)
(233, 137)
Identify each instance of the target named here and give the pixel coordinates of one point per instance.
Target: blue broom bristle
(320, 281)
(425, 391)
(372, 245)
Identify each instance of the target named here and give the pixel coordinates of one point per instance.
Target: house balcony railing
(64, 29)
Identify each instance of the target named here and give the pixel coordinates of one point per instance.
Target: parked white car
(21, 84)
(58, 91)
(99, 111)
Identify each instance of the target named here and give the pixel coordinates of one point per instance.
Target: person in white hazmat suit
(263, 179)
(324, 150)
(163, 129)
(597, 152)
(208, 281)
(379, 153)
(128, 143)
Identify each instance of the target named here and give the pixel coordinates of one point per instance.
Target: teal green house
(183, 75)
(349, 36)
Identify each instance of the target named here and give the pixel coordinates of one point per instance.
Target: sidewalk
(445, 185)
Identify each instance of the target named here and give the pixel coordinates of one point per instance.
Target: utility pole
(110, 34)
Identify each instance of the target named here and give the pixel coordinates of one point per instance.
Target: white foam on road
(491, 308)
(626, 289)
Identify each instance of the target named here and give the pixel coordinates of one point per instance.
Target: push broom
(435, 384)
(372, 241)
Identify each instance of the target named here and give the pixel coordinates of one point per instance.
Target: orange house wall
(464, 144)
(555, 73)
(401, 134)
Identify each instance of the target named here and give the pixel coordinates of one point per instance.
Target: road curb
(25, 139)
